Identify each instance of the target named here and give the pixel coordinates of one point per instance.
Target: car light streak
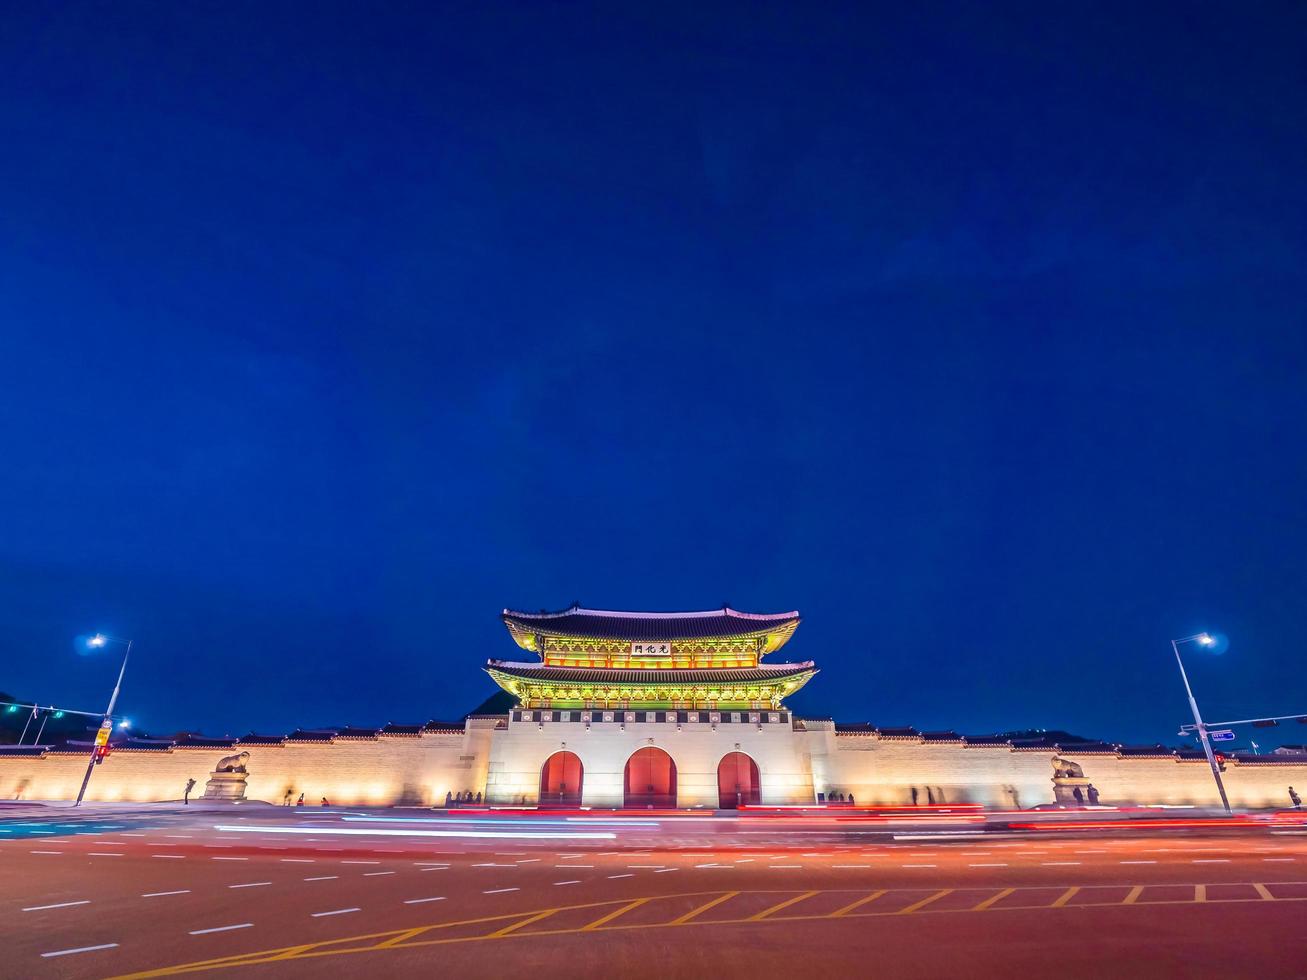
(382, 832)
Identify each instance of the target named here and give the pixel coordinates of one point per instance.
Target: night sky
(326, 333)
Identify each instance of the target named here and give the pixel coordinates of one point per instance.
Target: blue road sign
(1224, 735)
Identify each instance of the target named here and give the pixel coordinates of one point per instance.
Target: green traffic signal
(11, 709)
(58, 714)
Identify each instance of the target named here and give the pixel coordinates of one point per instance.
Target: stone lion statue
(233, 763)
(1065, 767)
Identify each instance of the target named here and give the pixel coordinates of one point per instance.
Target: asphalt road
(270, 892)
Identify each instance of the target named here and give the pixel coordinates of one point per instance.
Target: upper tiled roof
(607, 624)
(763, 673)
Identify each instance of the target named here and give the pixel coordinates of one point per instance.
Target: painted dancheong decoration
(597, 658)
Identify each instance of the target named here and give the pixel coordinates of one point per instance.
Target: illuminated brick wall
(413, 769)
(504, 762)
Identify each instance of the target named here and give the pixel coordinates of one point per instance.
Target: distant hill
(499, 703)
(1048, 735)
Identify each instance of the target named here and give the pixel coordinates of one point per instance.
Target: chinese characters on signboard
(651, 649)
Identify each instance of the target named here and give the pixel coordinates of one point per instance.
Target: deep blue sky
(979, 338)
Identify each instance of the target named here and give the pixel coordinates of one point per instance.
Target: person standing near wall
(1297, 800)
(186, 795)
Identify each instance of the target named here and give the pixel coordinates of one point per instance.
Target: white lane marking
(205, 932)
(991, 864)
(1277, 859)
(492, 865)
(171, 857)
(105, 854)
(296, 860)
(419, 901)
(627, 875)
(80, 949)
(319, 915)
(917, 865)
(575, 881)
(57, 905)
(47, 852)
(665, 870)
(126, 834)
(181, 891)
(497, 891)
(251, 884)
(369, 862)
(373, 874)
(324, 878)
(1136, 862)
(1210, 861)
(1051, 864)
(529, 861)
(228, 859)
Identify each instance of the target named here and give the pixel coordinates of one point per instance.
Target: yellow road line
(1200, 893)
(997, 897)
(703, 908)
(522, 922)
(612, 915)
(1065, 897)
(335, 947)
(858, 904)
(924, 902)
(781, 905)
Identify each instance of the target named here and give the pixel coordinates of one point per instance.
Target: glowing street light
(1203, 640)
(100, 640)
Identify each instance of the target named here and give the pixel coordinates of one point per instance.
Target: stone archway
(650, 779)
(737, 781)
(560, 780)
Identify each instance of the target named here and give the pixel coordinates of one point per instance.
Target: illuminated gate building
(649, 710)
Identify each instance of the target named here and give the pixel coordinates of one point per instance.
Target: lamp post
(100, 640)
(1206, 640)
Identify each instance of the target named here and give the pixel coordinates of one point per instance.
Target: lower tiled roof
(763, 673)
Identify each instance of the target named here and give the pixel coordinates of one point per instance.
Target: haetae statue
(1065, 767)
(233, 763)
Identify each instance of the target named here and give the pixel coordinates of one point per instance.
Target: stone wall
(503, 758)
(887, 770)
(519, 753)
(389, 769)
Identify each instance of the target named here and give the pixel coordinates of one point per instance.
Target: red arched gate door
(650, 779)
(560, 780)
(737, 781)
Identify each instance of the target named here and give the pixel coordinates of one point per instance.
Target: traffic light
(58, 714)
(11, 709)
(101, 753)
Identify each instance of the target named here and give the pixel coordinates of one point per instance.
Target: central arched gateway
(737, 781)
(560, 780)
(650, 779)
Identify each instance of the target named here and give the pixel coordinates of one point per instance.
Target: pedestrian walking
(1297, 800)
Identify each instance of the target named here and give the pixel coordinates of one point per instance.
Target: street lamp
(1203, 640)
(100, 640)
